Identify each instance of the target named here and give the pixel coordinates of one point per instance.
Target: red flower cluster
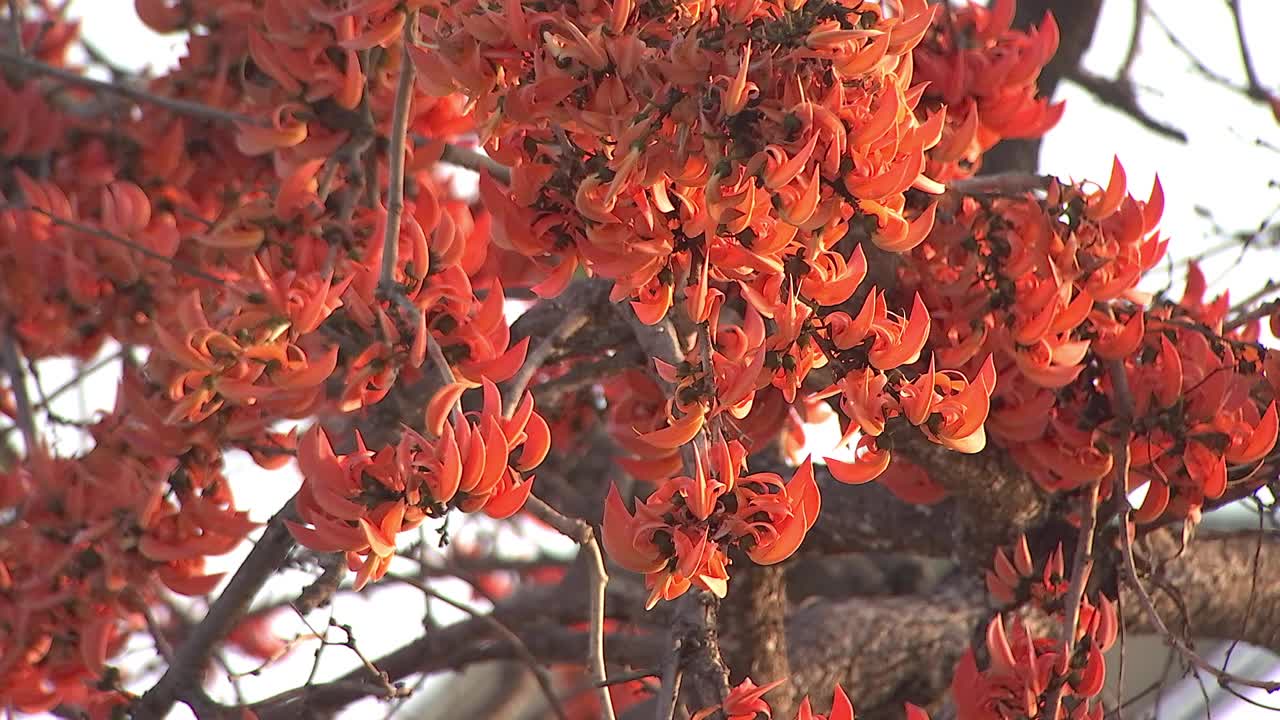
(680, 535)
(985, 75)
(1024, 671)
(359, 502)
(697, 144)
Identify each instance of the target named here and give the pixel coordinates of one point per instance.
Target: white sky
(1220, 169)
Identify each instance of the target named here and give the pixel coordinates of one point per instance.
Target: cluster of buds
(359, 502)
(680, 536)
(985, 74)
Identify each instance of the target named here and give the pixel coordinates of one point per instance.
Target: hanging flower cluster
(679, 537)
(984, 74)
(1204, 410)
(94, 541)
(359, 502)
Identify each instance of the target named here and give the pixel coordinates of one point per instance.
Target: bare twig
(15, 27)
(1200, 67)
(69, 385)
(517, 645)
(1123, 406)
(1006, 183)
(672, 675)
(1139, 16)
(1250, 72)
(125, 90)
(321, 590)
(580, 532)
(1118, 94)
(176, 264)
(395, 161)
(472, 160)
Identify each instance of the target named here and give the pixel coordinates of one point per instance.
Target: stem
(537, 357)
(1081, 568)
(580, 532)
(395, 161)
(517, 645)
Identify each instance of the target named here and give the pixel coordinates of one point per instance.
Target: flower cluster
(746, 702)
(690, 144)
(984, 74)
(679, 537)
(1051, 297)
(1024, 671)
(359, 502)
(96, 539)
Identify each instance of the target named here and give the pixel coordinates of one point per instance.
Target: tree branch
(395, 161)
(181, 680)
(1118, 94)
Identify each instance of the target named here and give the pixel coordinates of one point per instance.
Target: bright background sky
(1221, 180)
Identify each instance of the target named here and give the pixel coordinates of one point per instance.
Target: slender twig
(538, 356)
(581, 533)
(517, 645)
(181, 107)
(1269, 287)
(1257, 313)
(1123, 406)
(672, 677)
(472, 160)
(183, 675)
(1250, 72)
(658, 341)
(586, 373)
(18, 382)
(1081, 567)
(1200, 67)
(1119, 94)
(395, 161)
(1135, 36)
